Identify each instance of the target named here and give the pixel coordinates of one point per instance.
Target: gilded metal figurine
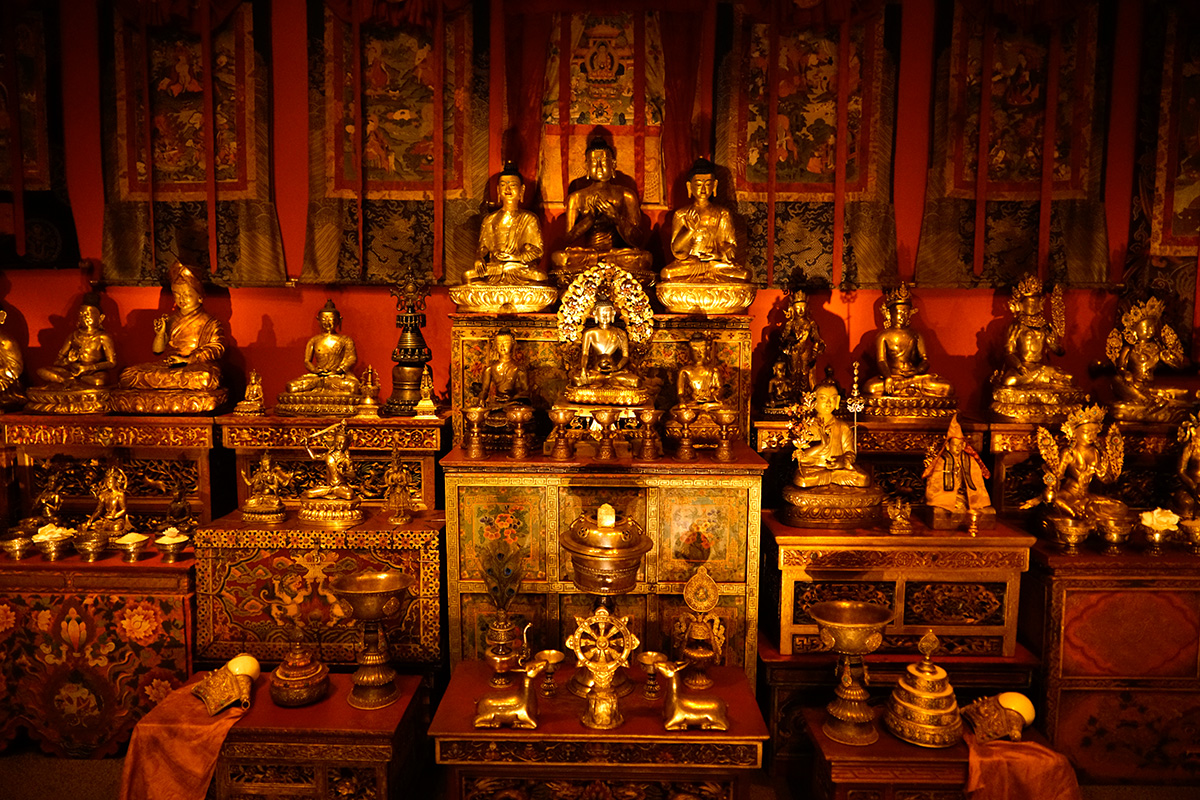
(111, 516)
(252, 405)
(605, 374)
(516, 706)
(329, 388)
(1187, 498)
(698, 634)
(1136, 348)
(12, 364)
(77, 381)
(954, 483)
(795, 370)
(265, 483)
(705, 276)
(904, 386)
(396, 496)
(699, 389)
(505, 381)
(1027, 388)
(682, 711)
(334, 503)
(606, 219)
(507, 275)
(188, 378)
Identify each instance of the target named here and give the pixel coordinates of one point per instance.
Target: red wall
(268, 327)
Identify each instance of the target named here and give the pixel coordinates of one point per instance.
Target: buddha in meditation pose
(703, 240)
(329, 386)
(699, 382)
(265, 482)
(510, 241)
(605, 374)
(902, 363)
(505, 382)
(12, 364)
(76, 382)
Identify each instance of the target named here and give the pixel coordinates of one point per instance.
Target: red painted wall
(268, 327)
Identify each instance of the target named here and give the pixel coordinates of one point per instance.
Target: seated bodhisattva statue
(905, 386)
(329, 388)
(1136, 347)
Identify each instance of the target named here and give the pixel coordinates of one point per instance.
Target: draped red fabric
(987, 63)
(394, 12)
(682, 45)
(210, 146)
(439, 141)
(813, 13)
(1027, 14)
(190, 14)
(16, 154)
(527, 45)
(1049, 128)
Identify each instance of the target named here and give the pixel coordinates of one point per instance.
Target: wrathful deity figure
(604, 223)
(905, 386)
(828, 489)
(954, 484)
(188, 377)
(77, 381)
(1136, 348)
(1027, 388)
(329, 388)
(605, 374)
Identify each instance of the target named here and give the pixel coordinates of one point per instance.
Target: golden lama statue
(705, 277)
(954, 484)
(904, 386)
(11, 367)
(329, 388)
(188, 378)
(828, 488)
(77, 381)
(607, 219)
(1027, 388)
(1136, 348)
(507, 276)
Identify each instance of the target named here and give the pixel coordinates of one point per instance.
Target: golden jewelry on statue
(188, 379)
(1027, 388)
(954, 483)
(77, 381)
(602, 645)
(705, 277)
(794, 373)
(334, 503)
(1136, 348)
(252, 405)
(904, 386)
(329, 388)
(922, 709)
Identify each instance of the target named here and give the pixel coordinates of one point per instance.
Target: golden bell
(922, 709)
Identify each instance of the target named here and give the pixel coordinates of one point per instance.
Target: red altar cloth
(173, 751)
(1001, 770)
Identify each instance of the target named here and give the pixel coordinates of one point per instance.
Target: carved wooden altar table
(638, 759)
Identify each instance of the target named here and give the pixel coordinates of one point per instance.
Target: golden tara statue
(77, 381)
(954, 484)
(606, 219)
(188, 378)
(329, 388)
(705, 277)
(904, 386)
(265, 482)
(794, 373)
(111, 517)
(1136, 348)
(828, 489)
(1027, 388)
(11, 367)
(507, 275)
(333, 503)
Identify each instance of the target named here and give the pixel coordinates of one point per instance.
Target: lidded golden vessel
(606, 549)
(922, 709)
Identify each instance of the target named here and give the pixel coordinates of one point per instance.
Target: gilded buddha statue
(605, 375)
(505, 382)
(188, 378)
(1136, 348)
(605, 219)
(12, 364)
(507, 276)
(705, 277)
(1028, 388)
(904, 386)
(329, 388)
(77, 381)
(698, 387)
(111, 516)
(828, 488)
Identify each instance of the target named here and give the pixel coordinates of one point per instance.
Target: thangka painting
(611, 66)
(1175, 217)
(803, 142)
(157, 151)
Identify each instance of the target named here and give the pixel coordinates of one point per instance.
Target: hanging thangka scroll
(390, 145)
(186, 126)
(964, 243)
(604, 76)
(782, 108)
(36, 226)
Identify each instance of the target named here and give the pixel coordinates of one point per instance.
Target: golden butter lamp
(372, 596)
(852, 629)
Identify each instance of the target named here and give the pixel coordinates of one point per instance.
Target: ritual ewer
(922, 709)
(606, 549)
(473, 437)
(606, 418)
(852, 629)
(372, 596)
(562, 450)
(649, 444)
(726, 419)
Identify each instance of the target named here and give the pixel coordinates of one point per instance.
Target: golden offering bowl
(1070, 532)
(1116, 532)
(561, 416)
(91, 549)
(553, 659)
(17, 547)
(851, 627)
(132, 550)
(1191, 528)
(171, 551)
(372, 596)
(53, 549)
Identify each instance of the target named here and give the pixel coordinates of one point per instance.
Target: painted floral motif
(76, 703)
(8, 619)
(502, 526)
(139, 622)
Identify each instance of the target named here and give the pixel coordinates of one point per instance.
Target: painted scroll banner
(1175, 214)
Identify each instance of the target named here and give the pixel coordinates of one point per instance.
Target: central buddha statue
(329, 388)
(605, 375)
(904, 386)
(705, 276)
(188, 378)
(77, 381)
(606, 220)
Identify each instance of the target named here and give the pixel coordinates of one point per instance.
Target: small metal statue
(333, 503)
(682, 711)
(12, 364)
(1136, 348)
(516, 705)
(111, 516)
(397, 497)
(77, 381)
(329, 388)
(904, 386)
(265, 483)
(253, 404)
(954, 483)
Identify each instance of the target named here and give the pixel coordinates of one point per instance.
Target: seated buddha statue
(828, 488)
(604, 223)
(76, 382)
(904, 386)
(605, 375)
(1136, 348)
(698, 386)
(505, 382)
(329, 388)
(188, 377)
(1027, 388)
(705, 276)
(12, 364)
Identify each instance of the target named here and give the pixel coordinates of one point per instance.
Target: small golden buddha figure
(698, 387)
(329, 388)
(705, 276)
(1136, 348)
(188, 378)
(505, 381)
(1027, 388)
(828, 489)
(12, 364)
(111, 516)
(76, 382)
(904, 386)
(1071, 469)
(252, 404)
(605, 375)
(954, 483)
(265, 482)
(606, 219)
(334, 502)
(1187, 498)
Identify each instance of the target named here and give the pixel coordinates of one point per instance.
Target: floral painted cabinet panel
(89, 648)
